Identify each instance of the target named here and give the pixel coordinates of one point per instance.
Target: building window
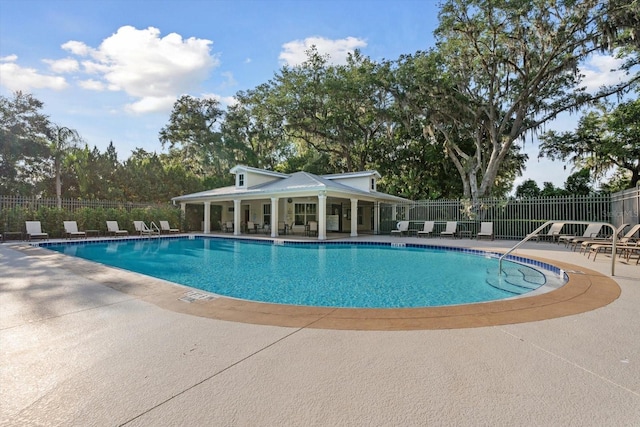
(240, 180)
(266, 214)
(360, 215)
(373, 184)
(305, 212)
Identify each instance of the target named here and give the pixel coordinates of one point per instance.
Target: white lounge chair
(166, 228)
(553, 233)
(71, 229)
(114, 229)
(143, 229)
(427, 230)
(313, 228)
(34, 230)
(251, 227)
(486, 230)
(590, 233)
(625, 240)
(450, 229)
(584, 244)
(402, 228)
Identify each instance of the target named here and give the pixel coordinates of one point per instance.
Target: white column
(322, 216)
(236, 217)
(274, 217)
(354, 217)
(394, 211)
(207, 217)
(183, 214)
(376, 217)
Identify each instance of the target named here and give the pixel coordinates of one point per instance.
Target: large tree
(420, 86)
(605, 139)
(333, 110)
(194, 138)
(512, 66)
(23, 148)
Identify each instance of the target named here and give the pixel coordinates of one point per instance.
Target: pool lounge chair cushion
(166, 228)
(114, 229)
(586, 243)
(427, 229)
(34, 230)
(450, 229)
(590, 232)
(71, 229)
(625, 240)
(486, 230)
(401, 228)
(552, 234)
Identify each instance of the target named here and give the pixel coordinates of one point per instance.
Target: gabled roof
(295, 184)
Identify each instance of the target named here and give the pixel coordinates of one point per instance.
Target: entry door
(245, 213)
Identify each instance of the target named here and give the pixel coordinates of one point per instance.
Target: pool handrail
(537, 230)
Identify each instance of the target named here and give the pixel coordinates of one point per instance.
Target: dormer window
(373, 184)
(240, 180)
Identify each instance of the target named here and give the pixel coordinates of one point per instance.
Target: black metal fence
(515, 218)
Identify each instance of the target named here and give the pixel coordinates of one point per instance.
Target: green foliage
(513, 66)
(23, 147)
(528, 189)
(577, 184)
(51, 219)
(604, 140)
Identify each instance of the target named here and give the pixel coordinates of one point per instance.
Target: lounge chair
(553, 233)
(586, 243)
(450, 229)
(282, 227)
(427, 230)
(228, 227)
(251, 228)
(166, 228)
(71, 229)
(313, 228)
(625, 240)
(144, 230)
(402, 228)
(114, 229)
(590, 233)
(34, 230)
(486, 230)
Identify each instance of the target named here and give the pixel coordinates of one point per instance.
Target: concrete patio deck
(82, 344)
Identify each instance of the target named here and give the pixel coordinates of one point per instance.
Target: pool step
(515, 280)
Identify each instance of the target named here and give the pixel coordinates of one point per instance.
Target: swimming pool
(329, 274)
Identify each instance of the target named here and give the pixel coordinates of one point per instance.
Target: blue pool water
(329, 275)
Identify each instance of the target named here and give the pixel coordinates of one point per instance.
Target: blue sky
(112, 69)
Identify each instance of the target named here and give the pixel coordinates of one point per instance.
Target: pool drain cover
(195, 296)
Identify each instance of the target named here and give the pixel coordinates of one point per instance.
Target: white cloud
(77, 48)
(224, 100)
(146, 66)
(91, 84)
(15, 77)
(599, 71)
(151, 104)
(67, 65)
(10, 58)
(294, 52)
